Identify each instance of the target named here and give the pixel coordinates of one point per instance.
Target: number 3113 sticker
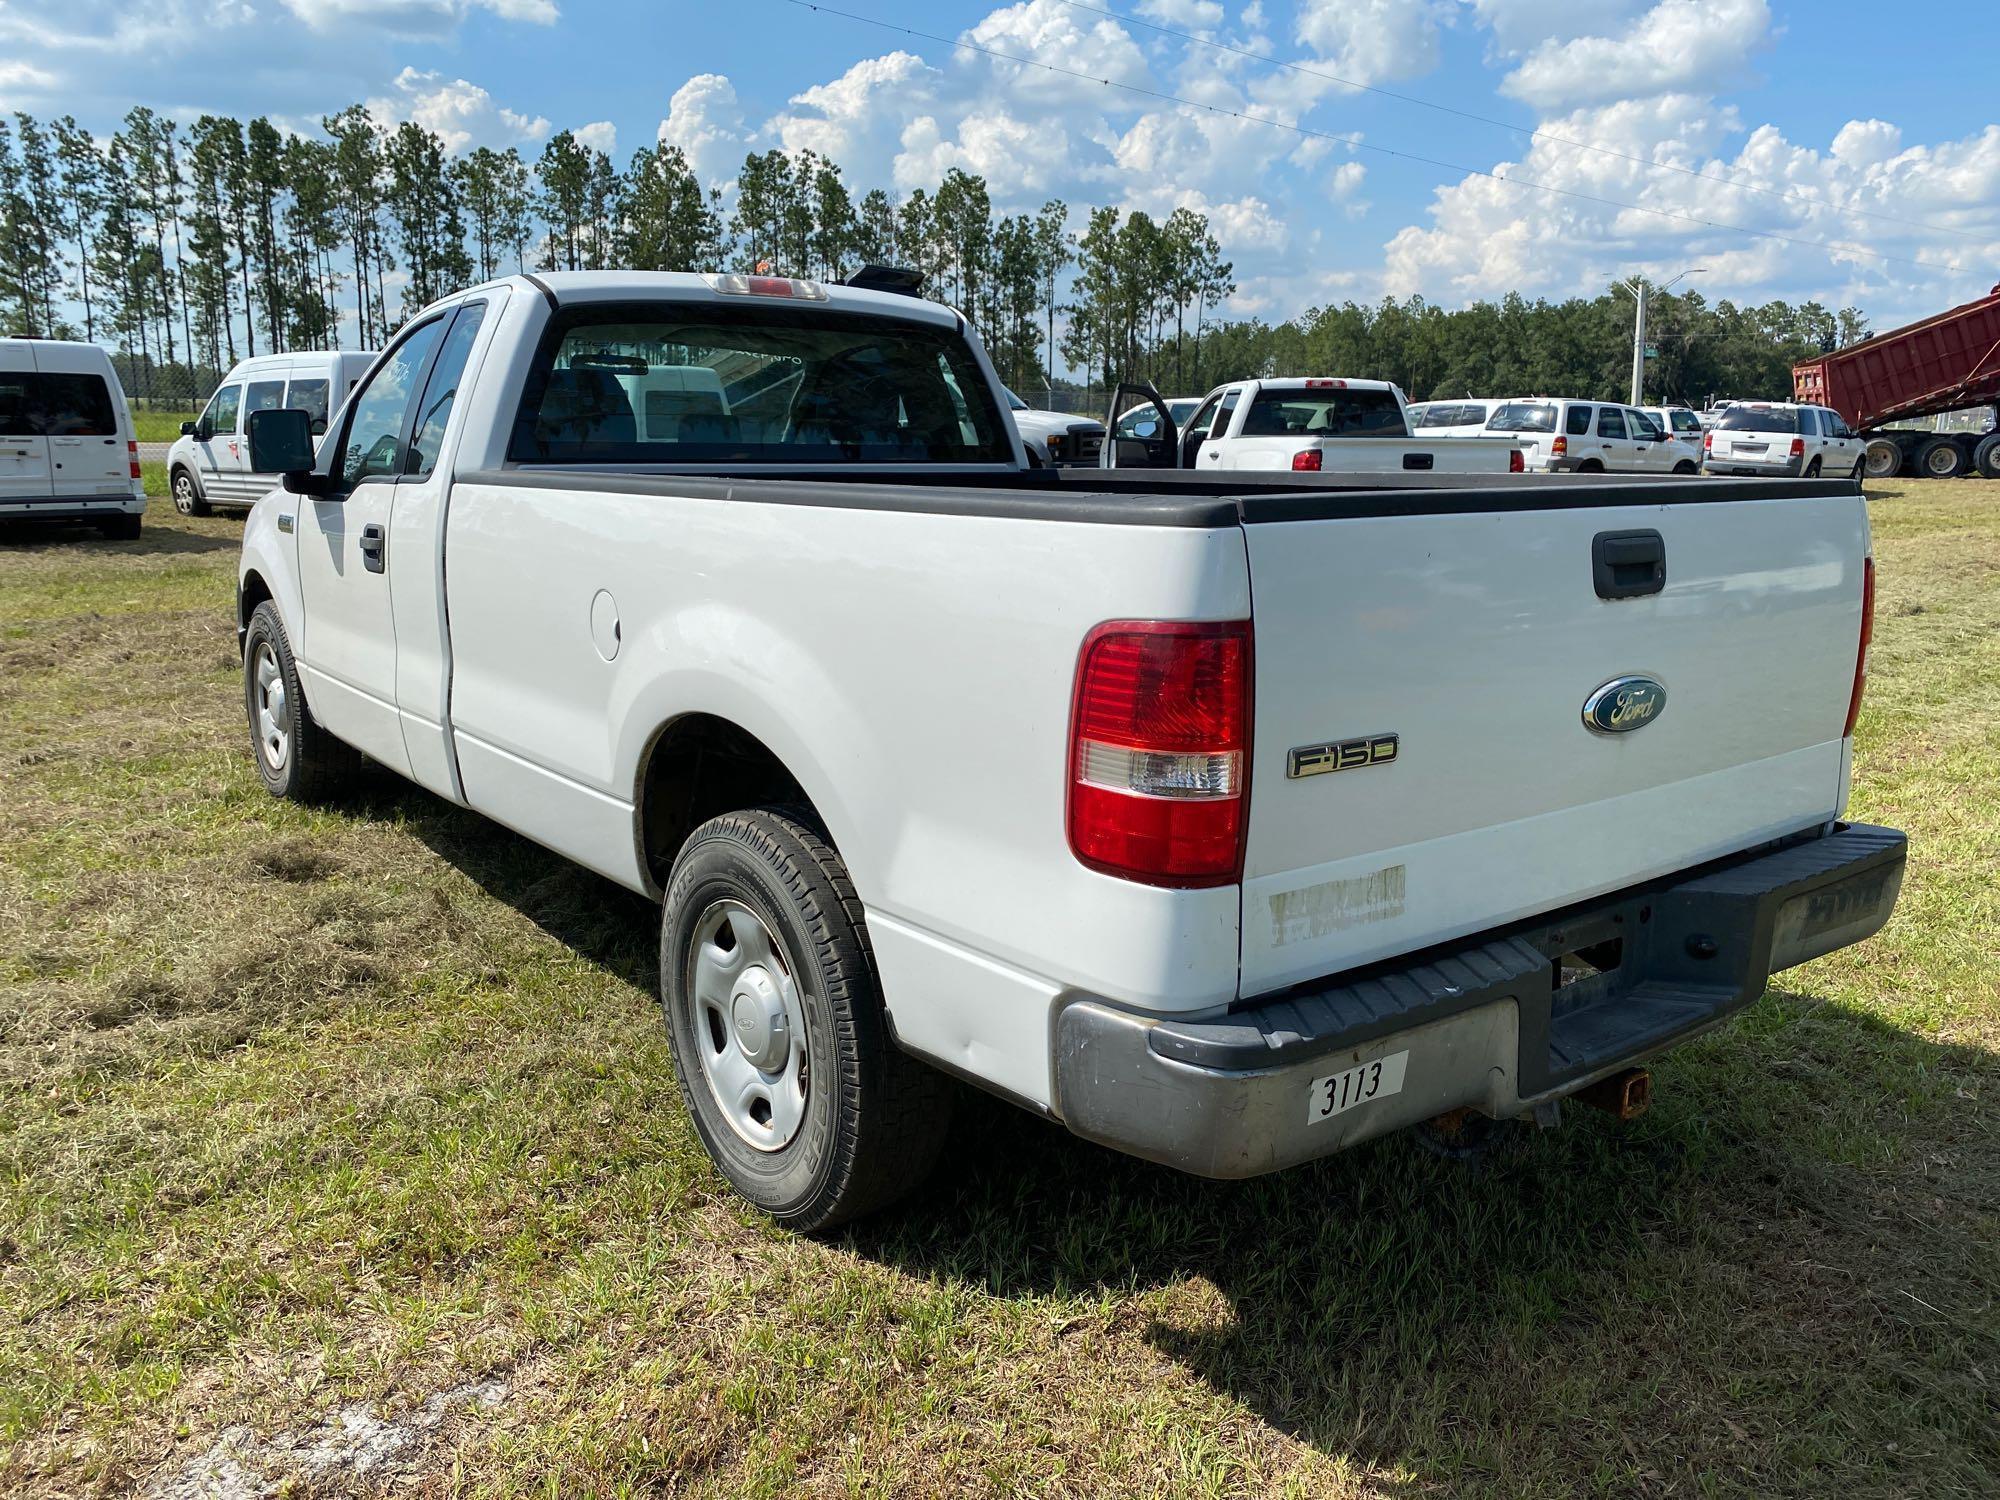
(1338, 1092)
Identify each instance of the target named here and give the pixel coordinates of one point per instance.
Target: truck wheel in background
(187, 494)
(780, 1041)
(1882, 458)
(1941, 458)
(1986, 457)
(297, 759)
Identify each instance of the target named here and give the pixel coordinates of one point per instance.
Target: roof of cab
(570, 288)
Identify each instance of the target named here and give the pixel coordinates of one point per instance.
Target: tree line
(190, 245)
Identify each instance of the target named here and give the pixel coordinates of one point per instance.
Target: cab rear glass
(1319, 413)
(667, 383)
(1759, 419)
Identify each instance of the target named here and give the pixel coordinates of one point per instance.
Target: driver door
(1142, 431)
(348, 646)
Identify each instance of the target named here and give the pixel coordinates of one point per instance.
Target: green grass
(301, 1109)
(159, 426)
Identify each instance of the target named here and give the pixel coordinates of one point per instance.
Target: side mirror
(188, 429)
(281, 442)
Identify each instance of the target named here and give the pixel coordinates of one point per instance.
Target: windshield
(1759, 419)
(1524, 416)
(1308, 413)
(658, 382)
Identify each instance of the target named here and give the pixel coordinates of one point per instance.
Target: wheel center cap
(757, 1018)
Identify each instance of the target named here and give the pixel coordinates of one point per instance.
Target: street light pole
(1637, 287)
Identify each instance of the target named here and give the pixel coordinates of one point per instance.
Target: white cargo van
(209, 464)
(66, 446)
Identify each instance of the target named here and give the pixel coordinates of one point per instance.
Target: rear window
(1324, 414)
(46, 405)
(1759, 419)
(1524, 416)
(657, 382)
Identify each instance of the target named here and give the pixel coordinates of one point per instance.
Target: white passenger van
(209, 464)
(66, 446)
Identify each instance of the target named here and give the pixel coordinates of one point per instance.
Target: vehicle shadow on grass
(1543, 1320)
(153, 541)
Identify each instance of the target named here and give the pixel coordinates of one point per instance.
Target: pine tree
(82, 192)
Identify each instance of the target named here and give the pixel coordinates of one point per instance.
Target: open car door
(1139, 431)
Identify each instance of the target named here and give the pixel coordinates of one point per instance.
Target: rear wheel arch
(699, 766)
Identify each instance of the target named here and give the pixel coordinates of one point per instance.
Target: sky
(1457, 149)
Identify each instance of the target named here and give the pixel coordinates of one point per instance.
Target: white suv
(1779, 437)
(1591, 437)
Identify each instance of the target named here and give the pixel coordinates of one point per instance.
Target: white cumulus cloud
(460, 114)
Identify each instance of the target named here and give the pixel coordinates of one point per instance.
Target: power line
(1518, 129)
(1358, 143)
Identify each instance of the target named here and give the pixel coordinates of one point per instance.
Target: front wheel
(1685, 467)
(297, 759)
(781, 1045)
(187, 495)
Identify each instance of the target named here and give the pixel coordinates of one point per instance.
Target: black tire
(1941, 458)
(187, 493)
(313, 766)
(1590, 466)
(123, 527)
(1687, 466)
(857, 1145)
(1812, 469)
(1882, 458)
(1986, 457)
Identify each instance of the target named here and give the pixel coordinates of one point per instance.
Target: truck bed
(1944, 363)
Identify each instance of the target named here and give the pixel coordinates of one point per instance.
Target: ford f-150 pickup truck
(1228, 819)
(1309, 425)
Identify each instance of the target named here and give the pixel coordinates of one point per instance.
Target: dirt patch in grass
(311, 1118)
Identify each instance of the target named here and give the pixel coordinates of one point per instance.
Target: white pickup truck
(1310, 425)
(1229, 820)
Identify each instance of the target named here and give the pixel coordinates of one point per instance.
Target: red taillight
(1326, 385)
(1861, 653)
(1159, 754)
(1798, 447)
(1559, 448)
(1708, 442)
(1306, 460)
(1517, 461)
(132, 453)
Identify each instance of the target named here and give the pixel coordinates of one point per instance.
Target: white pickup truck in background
(1227, 818)
(1309, 425)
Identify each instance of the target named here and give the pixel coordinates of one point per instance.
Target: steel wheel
(1882, 459)
(273, 708)
(750, 1030)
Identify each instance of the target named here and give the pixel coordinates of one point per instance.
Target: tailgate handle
(1628, 564)
(1419, 460)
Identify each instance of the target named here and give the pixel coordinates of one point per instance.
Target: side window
(77, 406)
(373, 444)
(1198, 424)
(309, 396)
(1577, 423)
(262, 395)
(15, 417)
(1226, 410)
(1809, 421)
(1640, 424)
(1687, 422)
(1610, 422)
(441, 389)
(222, 408)
(1840, 427)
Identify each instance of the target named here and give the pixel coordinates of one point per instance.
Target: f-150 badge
(1623, 705)
(1341, 755)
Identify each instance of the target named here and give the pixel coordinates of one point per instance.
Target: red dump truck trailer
(1945, 363)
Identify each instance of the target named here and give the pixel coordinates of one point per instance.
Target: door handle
(373, 545)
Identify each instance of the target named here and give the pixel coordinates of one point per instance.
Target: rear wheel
(1686, 467)
(1941, 458)
(121, 528)
(1986, 457)
(187, 495)
(1882, 459)
(780, 1041)
(297, 759)
(1590, 466)
(1812, 469)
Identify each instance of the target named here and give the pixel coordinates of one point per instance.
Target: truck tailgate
(1475, 638)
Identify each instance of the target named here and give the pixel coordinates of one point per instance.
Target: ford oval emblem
(1623, 705)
